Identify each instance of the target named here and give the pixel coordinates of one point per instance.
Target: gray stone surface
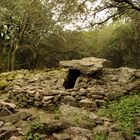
(115, 136)
(86, 65)
(61, 136)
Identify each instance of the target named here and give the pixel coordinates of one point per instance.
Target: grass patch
(32, 135)
(99, 137)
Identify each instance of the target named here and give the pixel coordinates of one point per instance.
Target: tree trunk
(9, 58)
(1, 60)
(1, 64)
(13, 56)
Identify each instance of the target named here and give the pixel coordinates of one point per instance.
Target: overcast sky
(89, 19)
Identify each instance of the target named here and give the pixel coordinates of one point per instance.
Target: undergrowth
(32, 135)
(123, 112)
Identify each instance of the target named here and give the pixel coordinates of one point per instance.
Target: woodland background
(33, 33)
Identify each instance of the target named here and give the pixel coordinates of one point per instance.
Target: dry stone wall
(45, 89)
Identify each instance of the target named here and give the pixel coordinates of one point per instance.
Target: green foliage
(123, 112)
(32, 135)
(27, 22)
(40, 26)
(119, 43)
(57, 113)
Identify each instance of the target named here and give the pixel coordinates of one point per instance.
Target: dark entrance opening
(72, 76)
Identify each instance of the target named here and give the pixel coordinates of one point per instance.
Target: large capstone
(91, 66)
(88, 65)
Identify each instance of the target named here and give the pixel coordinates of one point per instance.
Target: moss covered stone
(3, 84)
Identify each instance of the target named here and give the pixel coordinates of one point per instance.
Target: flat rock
(47, 98)
(15, 138)
(76, 117)
(51, 127)
(61, 136)
(87, 103)
(13, 118)
(86, 65)
(80, 138)
(74, 131)
(7, 105)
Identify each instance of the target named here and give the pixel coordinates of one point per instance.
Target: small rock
(7, 105)
(3, 84)
(61, 136)
(97, 97)
(56, 92)
(80, 138)
(79, 131)
(78, 97)
(56, 97)
(69, 100)
(137, 138)
(86, 103)
(47, 98)
(31, 92)
(115, 136)
(15, 138)
(82, 92)
(1, 123)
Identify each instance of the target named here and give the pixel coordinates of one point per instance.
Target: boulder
(75, 116)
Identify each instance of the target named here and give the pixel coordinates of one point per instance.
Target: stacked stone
(46, 89)
(37, 96)
(30, 90)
